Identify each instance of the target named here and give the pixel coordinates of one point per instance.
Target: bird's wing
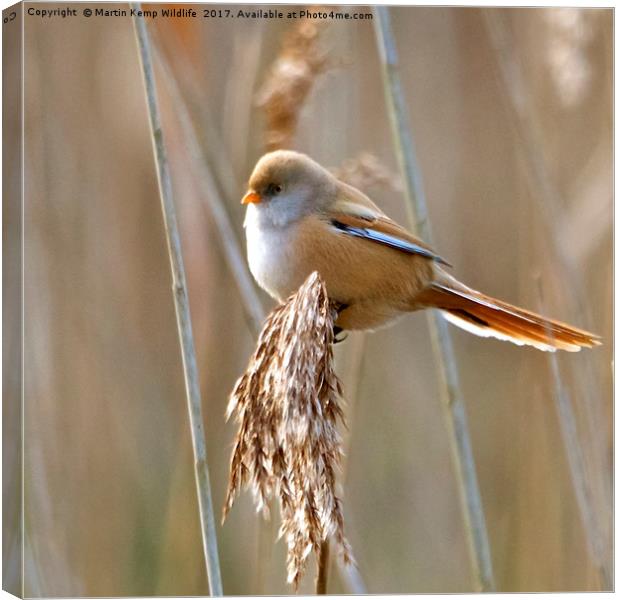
(355, 214)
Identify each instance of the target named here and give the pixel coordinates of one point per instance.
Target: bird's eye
(274, 189)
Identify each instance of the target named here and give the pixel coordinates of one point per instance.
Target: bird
(301, 219)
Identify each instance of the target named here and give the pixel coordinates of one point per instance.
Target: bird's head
(287, 185)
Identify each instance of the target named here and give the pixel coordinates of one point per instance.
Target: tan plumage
(301, 219)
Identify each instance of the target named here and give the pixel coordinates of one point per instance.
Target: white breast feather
(267, 249)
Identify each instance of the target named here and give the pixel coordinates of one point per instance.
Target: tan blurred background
(519, 200)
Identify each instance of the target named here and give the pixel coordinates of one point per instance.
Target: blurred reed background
(512, 115)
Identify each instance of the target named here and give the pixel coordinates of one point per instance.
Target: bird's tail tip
(488, 317)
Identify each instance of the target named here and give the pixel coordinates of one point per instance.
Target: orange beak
(251, 198)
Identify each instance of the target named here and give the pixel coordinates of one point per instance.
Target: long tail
(487, 317)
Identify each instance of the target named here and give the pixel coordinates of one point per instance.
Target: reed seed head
(287, 407)
(283, 94)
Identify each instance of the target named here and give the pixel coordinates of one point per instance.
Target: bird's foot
(337, 332)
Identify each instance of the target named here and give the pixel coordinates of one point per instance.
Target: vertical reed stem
(253, 308)
(452, 402)
(576, 463)
(181, 304)
(323, 569)
(350, 576)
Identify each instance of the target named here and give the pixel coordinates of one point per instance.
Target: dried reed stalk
(322, 569)
(290, 81)
(288, 445)
(576, 463)
(452, 401)
(181, 304)
(215, 203)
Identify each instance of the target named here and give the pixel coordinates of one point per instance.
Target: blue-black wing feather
(388, 240)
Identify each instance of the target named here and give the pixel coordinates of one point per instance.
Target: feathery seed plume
(290, 81)
(287, 407)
